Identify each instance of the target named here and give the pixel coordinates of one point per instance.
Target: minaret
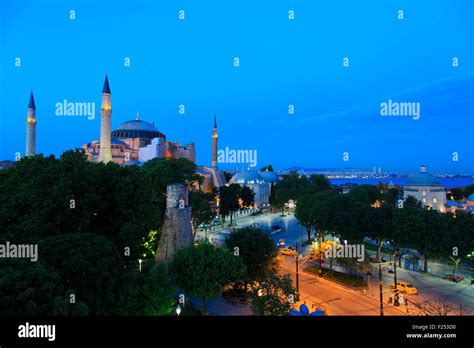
(105, 154)
(31, 127)
(214, 144)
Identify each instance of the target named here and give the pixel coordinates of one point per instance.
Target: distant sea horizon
(447, 182)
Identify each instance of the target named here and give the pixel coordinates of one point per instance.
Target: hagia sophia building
(136, 141)
(132, 143)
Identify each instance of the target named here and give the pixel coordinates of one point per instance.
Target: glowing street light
(178, 310)
(140, 264)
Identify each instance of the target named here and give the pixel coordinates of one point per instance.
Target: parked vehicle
(288, 251)
(455, 279)
(405, 288)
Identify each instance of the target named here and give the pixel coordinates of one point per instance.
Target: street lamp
(140, 264)
(396, 297)
(470, 257)
(178, 310)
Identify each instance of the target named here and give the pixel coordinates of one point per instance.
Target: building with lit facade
(132, 142)
(427, 189)
(260, 184)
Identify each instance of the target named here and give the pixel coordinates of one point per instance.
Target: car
(288, 251)
(405, 288)
(455, 279)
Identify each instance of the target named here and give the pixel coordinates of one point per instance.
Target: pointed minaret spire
(214, 144)
(138, 116)
(106, 88)
(31, 103)
(31, 127)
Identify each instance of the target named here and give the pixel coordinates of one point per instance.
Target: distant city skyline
(299, 62)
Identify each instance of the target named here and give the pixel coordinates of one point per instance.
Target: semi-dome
(423, 178)
(269, 177)
(247, 177)
(137, 129)
(132, 163)
(114, 141)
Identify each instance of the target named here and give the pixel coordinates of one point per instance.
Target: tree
(72, 195)
(366, 194)
(318, 183)
(229, 200)
(203, 270)
(391, 196)
(378, 225)
(246, 196)
(227, 176)
(148, 292)
(313, 211)
(201, 208)
(88, 264)
(274, 296)
(346, 217)
(256, 249)
(34, 289)
(468, 190)
(167, 171)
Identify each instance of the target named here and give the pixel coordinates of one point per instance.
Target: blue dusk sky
(282, 62)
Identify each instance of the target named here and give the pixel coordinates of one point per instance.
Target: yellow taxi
(287, 251)
(405, 288)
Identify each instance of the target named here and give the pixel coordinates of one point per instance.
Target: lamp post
(381, 290)
(140, 264)
(320, 272)
(395, 302)
(296, 261)
(470, 257)
(178, 310)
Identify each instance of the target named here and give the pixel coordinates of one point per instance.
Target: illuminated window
(424, 199)
(424, 193)
(435, 200)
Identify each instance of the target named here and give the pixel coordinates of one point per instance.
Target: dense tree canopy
(256, 249)
(201, 208)
(274, 296)
(89, 264)
(233, 197)
(71, 195)
(204, 270)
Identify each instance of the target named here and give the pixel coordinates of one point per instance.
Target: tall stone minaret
(105, 154)
(214, 144)
(31, 127)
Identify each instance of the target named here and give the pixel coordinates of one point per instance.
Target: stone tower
(31, 127)
(105, 154)
(177, 230)
(214, 144)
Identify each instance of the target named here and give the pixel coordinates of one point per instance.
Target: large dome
(137, 129)
(423, 178)
(247, 177)
(269, 177)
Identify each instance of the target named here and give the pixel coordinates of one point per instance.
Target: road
(336, 299)
(432, 287)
